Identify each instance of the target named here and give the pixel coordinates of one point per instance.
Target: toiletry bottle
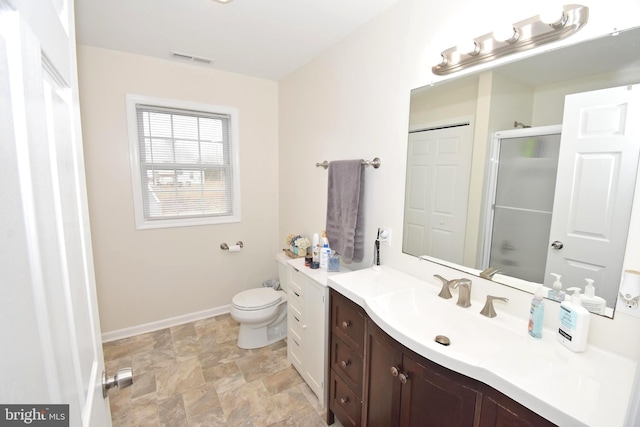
(573, 329)
(536, 314)
(557, 294)
(590, 300)
(334, 262)
(315, 250)
(325, 253)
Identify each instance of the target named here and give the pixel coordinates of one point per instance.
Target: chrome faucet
(464, 291)
(489, 273)
(446, 285)
(488, 309)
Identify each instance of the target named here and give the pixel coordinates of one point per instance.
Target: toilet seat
(256, 299)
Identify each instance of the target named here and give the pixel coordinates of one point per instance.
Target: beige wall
(153, 275)
(353, 102)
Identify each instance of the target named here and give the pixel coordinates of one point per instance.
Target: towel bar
(375, 163)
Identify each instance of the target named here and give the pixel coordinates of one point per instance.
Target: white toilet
(262, 312)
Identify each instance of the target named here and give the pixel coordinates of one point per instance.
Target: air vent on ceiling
(187, 57)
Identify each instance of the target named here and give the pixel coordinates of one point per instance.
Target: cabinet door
(316, 338)
(383, 388)
(499, 410)
(434, 397)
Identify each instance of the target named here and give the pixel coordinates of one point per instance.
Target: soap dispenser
(573, 329)
(557, 294)
(536, 314)
(590, 301)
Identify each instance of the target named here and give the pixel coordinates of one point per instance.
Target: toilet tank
(283, 271)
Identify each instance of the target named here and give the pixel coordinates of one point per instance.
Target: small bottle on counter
(325, 254)
(536, 314)
(573, 329)
(334, 262)
(315, 251)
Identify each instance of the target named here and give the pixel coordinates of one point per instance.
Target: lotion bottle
(590, 300)
(536, 314)
(573, 329)
(325, 254)
(557, 294)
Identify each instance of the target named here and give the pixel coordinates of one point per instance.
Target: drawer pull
(344, 400)
(404, 378)
(297, 294)
(297, 320)
(296, 343)
(394, 371)
(345, 363)
(346, 324)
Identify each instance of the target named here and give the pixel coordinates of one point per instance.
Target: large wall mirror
(489, 178)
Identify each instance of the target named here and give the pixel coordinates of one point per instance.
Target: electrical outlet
(385, 235)
(628, 307)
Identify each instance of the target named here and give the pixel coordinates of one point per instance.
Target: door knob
(557, 245)
(122, 379)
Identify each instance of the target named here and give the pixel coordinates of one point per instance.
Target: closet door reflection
(521, 211)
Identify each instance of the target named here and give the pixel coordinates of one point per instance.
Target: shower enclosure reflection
(520, 205)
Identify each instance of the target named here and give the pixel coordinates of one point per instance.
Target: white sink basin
(473, 337)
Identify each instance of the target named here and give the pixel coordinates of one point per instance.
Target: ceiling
(260, 38)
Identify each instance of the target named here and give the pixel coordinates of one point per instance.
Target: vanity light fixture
(223, 1)
(521, 36)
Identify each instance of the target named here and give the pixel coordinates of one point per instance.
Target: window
(184, 163)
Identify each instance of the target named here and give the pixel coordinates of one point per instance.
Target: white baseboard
(162, 324)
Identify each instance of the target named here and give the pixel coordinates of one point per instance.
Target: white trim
(165, 323)
(134, 159)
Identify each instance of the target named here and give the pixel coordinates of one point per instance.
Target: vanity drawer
(347, 322)
(295, 347)
(347, 364)
(345, 403)
(297, 282)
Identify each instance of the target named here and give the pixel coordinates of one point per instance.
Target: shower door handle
(557, 245)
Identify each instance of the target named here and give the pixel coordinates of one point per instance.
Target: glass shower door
(524, 190)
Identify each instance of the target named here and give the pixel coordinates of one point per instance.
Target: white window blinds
(185, 164)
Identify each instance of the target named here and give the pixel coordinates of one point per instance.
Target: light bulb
(441, 60)
(554, 16)
(470, 47)
(506, 33)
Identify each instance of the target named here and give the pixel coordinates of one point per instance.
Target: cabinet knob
(344, 400)
(403, 378)
(345, 363)
(394, 371)
(346, 324)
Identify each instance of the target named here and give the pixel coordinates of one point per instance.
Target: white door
(438, 171)
(50, 333)
(594, 190)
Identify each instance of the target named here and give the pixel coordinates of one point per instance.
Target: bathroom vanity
(307, 330)
(386, 369)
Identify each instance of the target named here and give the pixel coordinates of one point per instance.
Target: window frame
(143, 223)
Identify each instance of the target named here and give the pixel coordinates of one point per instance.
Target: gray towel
(344, 213)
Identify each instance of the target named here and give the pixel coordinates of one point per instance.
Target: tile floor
(195, 375)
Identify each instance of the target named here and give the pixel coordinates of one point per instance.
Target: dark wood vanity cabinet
(499, 410)
(405, 389)
(346, 360)
(376, 381)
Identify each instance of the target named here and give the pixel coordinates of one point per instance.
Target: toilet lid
(256, 299)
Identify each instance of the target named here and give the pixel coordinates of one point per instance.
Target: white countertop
(320, 275)
(569, 389)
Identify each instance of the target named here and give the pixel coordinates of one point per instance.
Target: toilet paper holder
(225, 247)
